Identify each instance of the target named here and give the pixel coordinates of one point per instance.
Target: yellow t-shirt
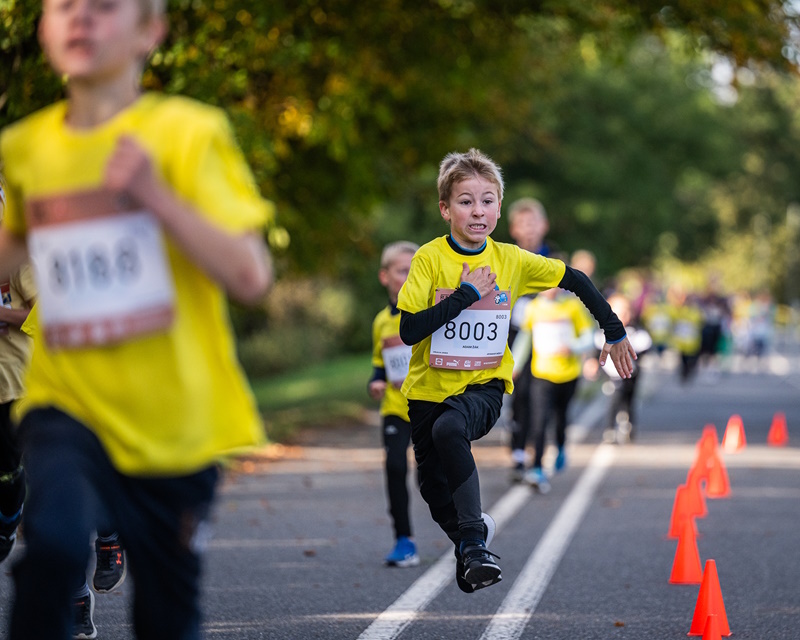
(166, 403)
(436, 265)
(29, 326)
(657, 317)
(386, 335)
(687, 329)
(18, 292)
(554, 326)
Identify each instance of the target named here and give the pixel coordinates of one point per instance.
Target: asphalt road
(300, 533)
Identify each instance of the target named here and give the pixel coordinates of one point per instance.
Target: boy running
(390, 365)
(455, 309)
(139, 215)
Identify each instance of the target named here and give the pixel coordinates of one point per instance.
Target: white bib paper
(396, 356)
(102, 272)
(552, 337)
(477, 338)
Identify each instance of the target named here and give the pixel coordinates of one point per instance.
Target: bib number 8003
(468, 331)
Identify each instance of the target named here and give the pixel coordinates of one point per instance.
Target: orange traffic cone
(778, 434)
(709, 601)
(681, 511)
(734, 441)
(718, 485)
(697, 502)
(711, 631)
(686, 568)
(705, 449)
(710, 434)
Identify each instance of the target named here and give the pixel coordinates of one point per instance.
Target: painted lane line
(516, 610)
(404, 610)
(391, 622)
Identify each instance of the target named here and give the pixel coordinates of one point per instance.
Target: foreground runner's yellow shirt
(436, 265)
(166, 403)
(386, 328)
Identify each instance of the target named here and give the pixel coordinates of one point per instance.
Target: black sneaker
(8, 535)
(480, 570)
(517, 473)
(489, 528)
(83, 624)
(110, 570)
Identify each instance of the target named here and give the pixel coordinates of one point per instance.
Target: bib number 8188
(98, 266)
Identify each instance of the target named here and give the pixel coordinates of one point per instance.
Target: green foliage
(605, 110)
(305, 321)
(325, 393)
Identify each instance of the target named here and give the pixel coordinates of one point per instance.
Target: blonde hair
(457, 167)
(525, 204)
(394, 249)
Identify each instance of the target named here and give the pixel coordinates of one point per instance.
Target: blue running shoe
(404, 554)
(535, 477)
(561, 460)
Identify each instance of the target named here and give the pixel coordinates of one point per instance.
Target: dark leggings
(396, 438)
(521, 405)
(448, 478)
(73, 489)
(550, 399)
(12, 477)
(688, 366)
(622, 400)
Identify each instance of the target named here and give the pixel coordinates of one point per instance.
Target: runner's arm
(13, 253)
(415, 327)
(579, 283)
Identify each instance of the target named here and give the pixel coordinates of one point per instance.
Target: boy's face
(528, 229)
(472, 211)
(394, 276)
(96, 40)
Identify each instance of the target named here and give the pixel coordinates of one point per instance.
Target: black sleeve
(579, 283)
(378, 373)
(415, 327)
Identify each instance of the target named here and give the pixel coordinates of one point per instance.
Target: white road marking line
(401, 613)
(391, 622)
(513, 614)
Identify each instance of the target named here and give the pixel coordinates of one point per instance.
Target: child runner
(687, 328)
(139, 215)
(455, 308)
(557, 331)
(390, 358)
(18, 295)
(621, 419)
(527, 226)
(110, 566)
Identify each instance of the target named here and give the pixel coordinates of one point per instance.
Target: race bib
(396, 356)
(477, 338)
(686, 330)
(101, 269)
(660, 323)
(552, 337)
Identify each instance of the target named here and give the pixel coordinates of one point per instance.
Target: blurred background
(662, 136)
